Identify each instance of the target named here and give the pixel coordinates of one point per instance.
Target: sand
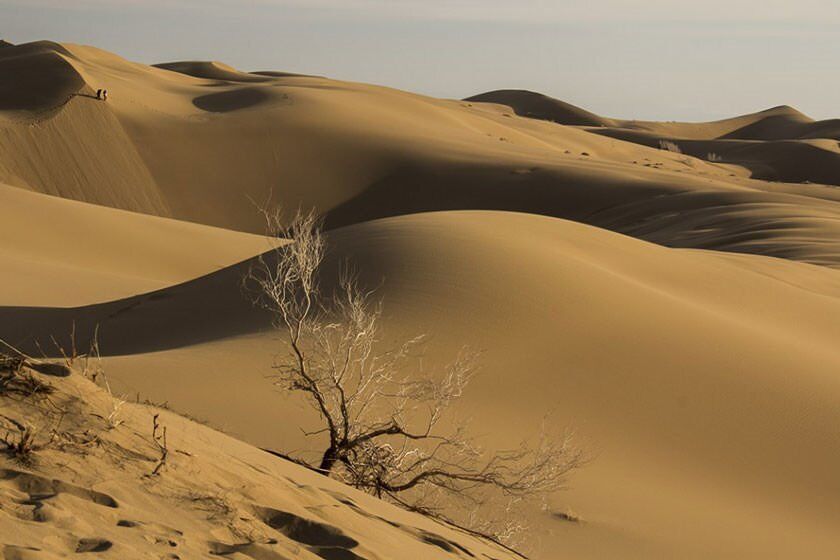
(59, 252)
(681, 314)
(102, 488)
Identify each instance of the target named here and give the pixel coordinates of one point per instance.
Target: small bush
(15, 379)
(20, 443)
(669, 146)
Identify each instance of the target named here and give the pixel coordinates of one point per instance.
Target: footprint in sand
(324, 540)
(39, 488)
(155, 533)
(93, 545)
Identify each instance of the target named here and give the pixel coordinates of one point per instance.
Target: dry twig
(159, 439)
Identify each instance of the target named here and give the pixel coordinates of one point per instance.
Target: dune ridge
(211, 70)
(539, 106)
(187, 131)
(777, 144)
(36, 76)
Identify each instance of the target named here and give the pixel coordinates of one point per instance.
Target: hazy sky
(655, 59)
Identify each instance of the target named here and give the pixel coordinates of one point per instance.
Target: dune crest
(210, 70)
(36, 77)
(539, 106)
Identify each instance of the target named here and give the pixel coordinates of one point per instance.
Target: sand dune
(570, 317)
(539, 106)
(777, 123)
(62, 253)
(680, 313)
(205, 148)
(795, 161)
(211, 70)
(36, 76)
(779, 144)
(787, 124)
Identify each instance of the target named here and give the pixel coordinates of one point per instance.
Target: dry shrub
(382, 413)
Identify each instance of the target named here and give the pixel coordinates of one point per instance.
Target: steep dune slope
(80, 153)
(36, 76)
(686, 390)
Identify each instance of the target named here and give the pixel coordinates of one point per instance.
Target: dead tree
(386, 421)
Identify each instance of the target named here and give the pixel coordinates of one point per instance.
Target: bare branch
(383, 412)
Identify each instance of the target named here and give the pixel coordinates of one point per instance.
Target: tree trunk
(328, 460)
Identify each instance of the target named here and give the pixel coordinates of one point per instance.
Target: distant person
(105, 95)
(99, 93)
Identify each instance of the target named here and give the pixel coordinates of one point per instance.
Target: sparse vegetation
(382, 412)
(89, 363)
(670, 146)
(15, 379)
(568, 516)
(19, 442)
(113, 419)
(159, 440)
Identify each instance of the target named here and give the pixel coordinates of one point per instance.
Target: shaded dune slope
(787, 124)
(205, 309)
(36, 76)
(211, 70)
(790, 224)
(795, 161)
(539, 106)
(225, 101)
(778, 226)
(217, 305)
